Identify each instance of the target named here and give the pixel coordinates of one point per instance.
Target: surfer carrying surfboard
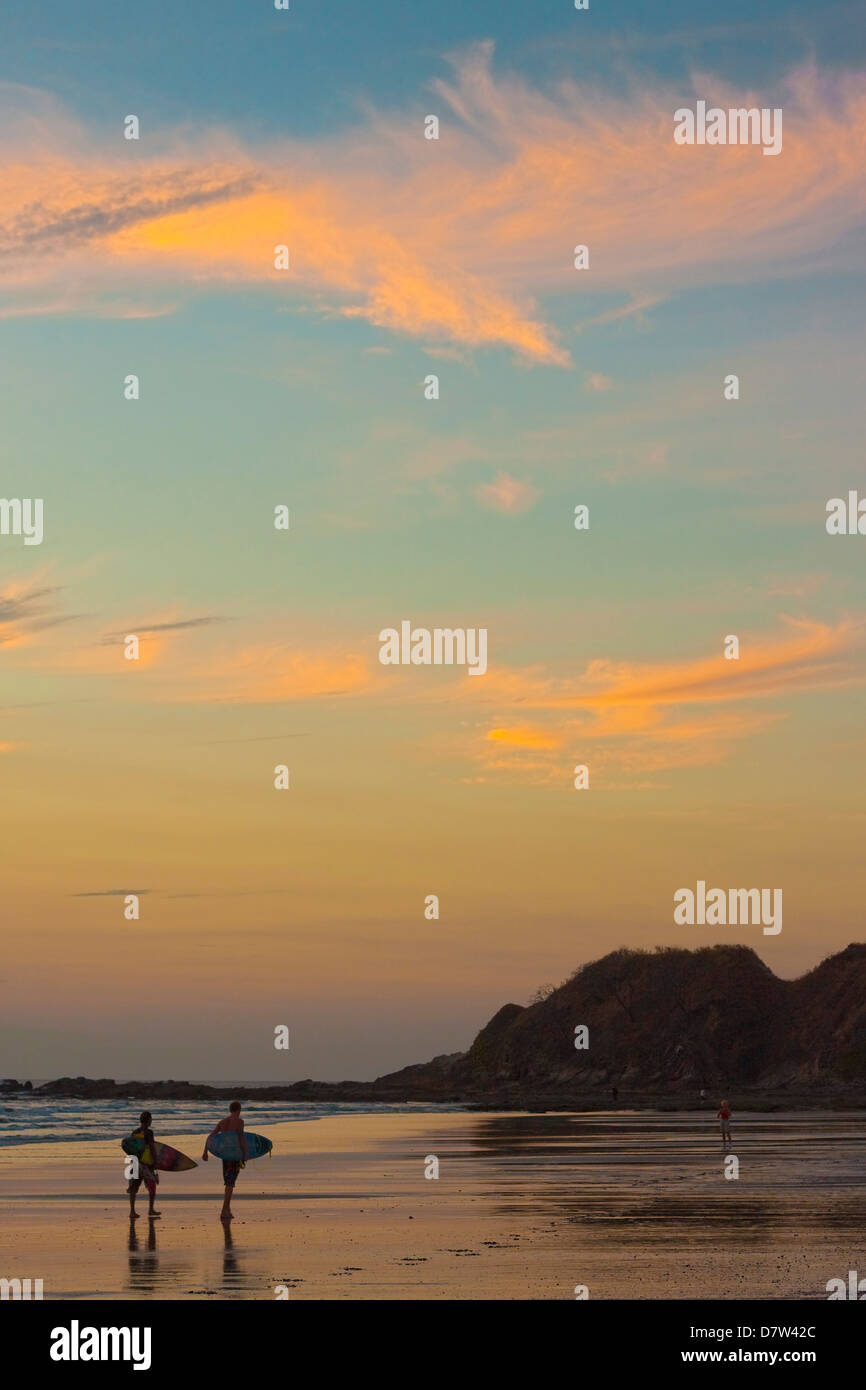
(146, 1170)
(231, 1124)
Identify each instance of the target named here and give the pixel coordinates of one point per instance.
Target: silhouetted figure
(723, 1114)
(232, 1124)
(146, 1167)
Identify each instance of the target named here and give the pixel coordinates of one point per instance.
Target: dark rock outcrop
(661, 1024)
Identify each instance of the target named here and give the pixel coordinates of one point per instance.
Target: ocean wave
(30, 1120)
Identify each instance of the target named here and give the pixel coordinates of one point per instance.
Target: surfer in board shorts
(147, 1173)
(723, 1115)
(231, 1167)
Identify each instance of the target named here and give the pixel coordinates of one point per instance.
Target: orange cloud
(264, 673)
(523, 736)
(149, 652)
(179, 671)
(666, 715)
(637, 717)
(812, 654)
(457, 241)
(182, 659)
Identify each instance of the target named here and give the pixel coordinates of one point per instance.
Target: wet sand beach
(526, 1206)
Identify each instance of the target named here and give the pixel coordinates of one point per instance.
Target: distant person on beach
(724, 1115)
(615, 1094)
(232, 1124)
(147, 1173)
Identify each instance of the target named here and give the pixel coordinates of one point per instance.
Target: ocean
(33, 1119)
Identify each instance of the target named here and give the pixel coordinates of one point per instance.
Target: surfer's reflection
(233, 1275)
(143, 1259)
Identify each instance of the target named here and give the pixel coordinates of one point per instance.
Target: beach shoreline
(760, 1099)
(525, 1206)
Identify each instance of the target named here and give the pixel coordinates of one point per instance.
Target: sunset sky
(304, 387)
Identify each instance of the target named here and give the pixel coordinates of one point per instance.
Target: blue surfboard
(227, 1146)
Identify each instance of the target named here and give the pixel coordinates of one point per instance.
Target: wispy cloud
(147, 629)
(639, 717)
(267, 672)
(112, 893)
(256, 738)
(268, 665)
(26, 610)
(597, 381)
(444, 240)
(47, 225)
(671, 714)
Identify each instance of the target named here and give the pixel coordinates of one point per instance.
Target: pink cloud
(506, 494)
(597, 381)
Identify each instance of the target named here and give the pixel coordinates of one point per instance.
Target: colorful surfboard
(168, 1160)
